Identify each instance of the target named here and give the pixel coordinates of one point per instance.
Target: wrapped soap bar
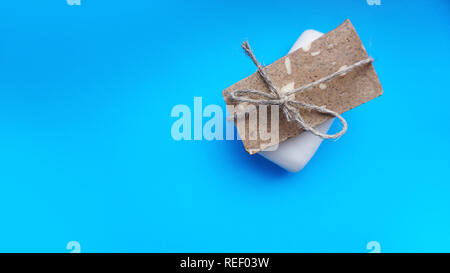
(339, 53)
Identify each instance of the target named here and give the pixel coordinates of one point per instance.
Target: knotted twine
(287, 102)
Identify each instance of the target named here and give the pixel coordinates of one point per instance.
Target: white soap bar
(294, 153)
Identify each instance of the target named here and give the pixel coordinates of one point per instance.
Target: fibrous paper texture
(335, 50)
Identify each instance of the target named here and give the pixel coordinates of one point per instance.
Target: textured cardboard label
(333, 51)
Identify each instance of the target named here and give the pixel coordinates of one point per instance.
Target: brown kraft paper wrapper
(333, 51)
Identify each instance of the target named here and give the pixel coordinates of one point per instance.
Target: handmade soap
(328, 73)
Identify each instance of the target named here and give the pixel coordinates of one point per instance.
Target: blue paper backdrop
(86, 152)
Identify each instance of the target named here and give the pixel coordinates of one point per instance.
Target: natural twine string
(287, 104)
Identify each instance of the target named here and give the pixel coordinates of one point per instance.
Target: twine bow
(287, 101)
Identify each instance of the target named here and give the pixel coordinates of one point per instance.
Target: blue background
(86, 153)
